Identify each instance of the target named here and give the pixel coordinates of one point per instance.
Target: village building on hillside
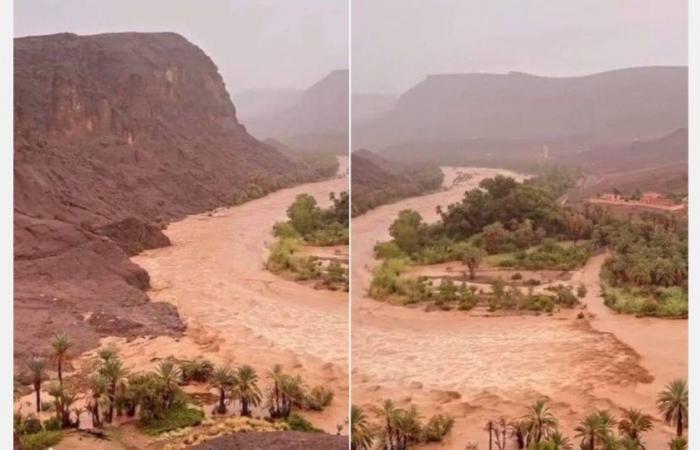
(648, 199)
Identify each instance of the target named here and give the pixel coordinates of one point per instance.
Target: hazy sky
(255, 43)
(397, 42)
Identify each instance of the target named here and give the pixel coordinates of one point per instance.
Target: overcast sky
(255, 43)
(396, 43)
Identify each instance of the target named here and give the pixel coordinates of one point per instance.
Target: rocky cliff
(115, 135)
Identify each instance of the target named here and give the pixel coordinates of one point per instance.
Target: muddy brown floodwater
(481, 368)
(239, 313)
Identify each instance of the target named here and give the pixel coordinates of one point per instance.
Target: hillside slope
(116, 134)
(614, 106)
(376, 181)
(317, 121)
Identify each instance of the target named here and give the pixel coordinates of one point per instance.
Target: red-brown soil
(116, 134)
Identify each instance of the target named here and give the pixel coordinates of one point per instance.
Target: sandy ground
(480, 368)
(237, 312)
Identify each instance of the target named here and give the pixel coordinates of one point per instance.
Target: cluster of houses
(650, 199)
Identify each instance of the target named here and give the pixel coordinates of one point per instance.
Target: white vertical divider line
(694, 221)
(350, 222)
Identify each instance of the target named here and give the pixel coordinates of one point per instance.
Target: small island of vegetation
(308, 226)
(518, 243)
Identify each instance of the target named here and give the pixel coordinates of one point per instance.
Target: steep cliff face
(115, 133)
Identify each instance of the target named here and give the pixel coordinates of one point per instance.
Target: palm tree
(518, 431)
(114, 373)
(678, 443)
(246, 389)
(539, 421)
(222, 379)
(408, 426)
(557, 441)
(61, 344)
(673, 404)
(292, 390)
(360, 432)
(634, 422)
(170, 376)
(36, 367)
(595, 427)
(63, 400)
(388, 413)
(106, 354)
(276, 375)
(98, 386)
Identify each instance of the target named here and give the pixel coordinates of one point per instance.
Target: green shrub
(335, 273)
(387, 250)
(281, 255)
(517, 276)
(437, 428)
(318, 398)
(198, 370)
(32, 425)
(52, 424)
(306, 267)
(386, 278)
(565, 297)
(175, 418)
(550, 255)
(330, 234)
(537, 303)
(285, 230)
(299, 423)
(416, 289)
(41, 440)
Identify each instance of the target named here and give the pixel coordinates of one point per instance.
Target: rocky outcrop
(115, 135)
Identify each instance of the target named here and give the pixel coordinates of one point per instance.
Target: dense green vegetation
(156, 397)
(522, 226)
(647, 273)
(40, 440)
(396, 428)
(321, 167)
(174, 419)
(315, 225)
(521, 222)
(308, 224)
(537, 429)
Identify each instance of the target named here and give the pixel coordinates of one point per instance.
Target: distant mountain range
(610, 107)
(316, 120)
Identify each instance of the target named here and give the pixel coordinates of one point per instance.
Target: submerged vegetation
(156, 398)
(647, 273)
(396, 428)
(310, 225)
(510, 225)
(537, 429)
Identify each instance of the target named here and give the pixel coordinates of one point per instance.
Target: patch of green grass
(386, 278)
(174, 419)
(660, 302)
(41, 440)
(549, 257)
(297, 422)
